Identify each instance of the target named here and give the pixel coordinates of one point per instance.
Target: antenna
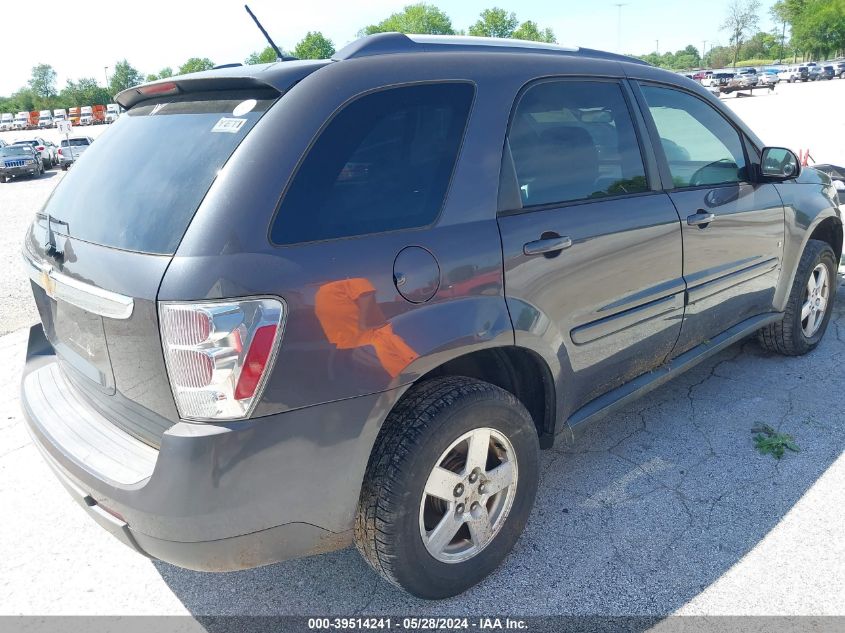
(279, 54)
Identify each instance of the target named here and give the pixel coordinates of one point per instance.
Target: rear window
(140, 184)
(382, 164)
(76, 142)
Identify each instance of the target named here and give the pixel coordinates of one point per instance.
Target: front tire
(449, 486)
(810, 304)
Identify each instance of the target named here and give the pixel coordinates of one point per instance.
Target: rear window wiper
(53, 246)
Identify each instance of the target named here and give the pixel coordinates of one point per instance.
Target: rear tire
(432, 438)
(804, 324)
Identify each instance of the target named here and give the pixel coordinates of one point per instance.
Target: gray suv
(290, 307)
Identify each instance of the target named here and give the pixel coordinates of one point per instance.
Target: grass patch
(770, 442)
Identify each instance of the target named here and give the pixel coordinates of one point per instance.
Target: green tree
(85, 91)
(529, 30)
(314, 46)
(195, 65)
(741, 20)
(819, 27)
(762, 45)
(494, 22)
(21, 100)
(414, 18)
(124, 76)
(718, 57)
(164, 73)
(43, 81)
(265, 56)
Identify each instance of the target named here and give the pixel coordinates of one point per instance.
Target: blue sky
(157, 33)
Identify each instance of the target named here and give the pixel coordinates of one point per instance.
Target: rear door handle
(700, 218)
(547, 245)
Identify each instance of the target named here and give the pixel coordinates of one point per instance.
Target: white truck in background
(7, 119)
(21, 121)
(59, 114)
(86, 115)
(112, 112)
(45, 119)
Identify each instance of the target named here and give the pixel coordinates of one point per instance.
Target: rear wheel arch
(519, 371)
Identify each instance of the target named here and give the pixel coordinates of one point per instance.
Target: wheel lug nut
(473, 477)
(474, 506)
(460, 508)
(459, 490)
(482, 489)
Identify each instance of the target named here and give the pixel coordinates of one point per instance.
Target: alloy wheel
(816, 297)
(468, 495)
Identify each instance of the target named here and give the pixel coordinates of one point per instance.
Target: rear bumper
(213, 497)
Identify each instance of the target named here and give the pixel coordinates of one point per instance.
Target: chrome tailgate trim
(85, 296)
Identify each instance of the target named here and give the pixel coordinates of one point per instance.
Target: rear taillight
(60, 152)
(219, 354)
(40, 148)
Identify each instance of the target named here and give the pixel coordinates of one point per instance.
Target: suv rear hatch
(98, 250)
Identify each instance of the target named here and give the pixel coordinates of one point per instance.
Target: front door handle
(700, 218)
(547, 245)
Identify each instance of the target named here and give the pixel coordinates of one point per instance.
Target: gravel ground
(663, 508)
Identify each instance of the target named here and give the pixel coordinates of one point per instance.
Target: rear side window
(383, 163)
(574, 140)
(701, 147)
(137, 187)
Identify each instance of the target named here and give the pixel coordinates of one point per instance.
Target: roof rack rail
(392, 43)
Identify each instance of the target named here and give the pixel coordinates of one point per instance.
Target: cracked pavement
(663, 508)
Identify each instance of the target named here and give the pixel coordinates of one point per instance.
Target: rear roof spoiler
(278, 76)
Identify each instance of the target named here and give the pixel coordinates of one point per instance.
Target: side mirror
(779, 163)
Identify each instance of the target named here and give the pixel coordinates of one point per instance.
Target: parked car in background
(7, 120)
(768, 76)
(827, 72)
(45, 119)
(71, 149)
(46, 150)
(791, 74)
(236, 366)
(724, 80)
(112, 112)
(814, 73)
(747, 77)
(19, 160)
(839, 68)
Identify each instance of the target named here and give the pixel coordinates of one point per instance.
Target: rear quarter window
(383, 163)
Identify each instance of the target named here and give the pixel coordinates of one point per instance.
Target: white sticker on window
(244, 106)
(228, 125)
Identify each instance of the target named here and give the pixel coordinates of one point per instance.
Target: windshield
(141, 183)
(76, 142)
(15, 150)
